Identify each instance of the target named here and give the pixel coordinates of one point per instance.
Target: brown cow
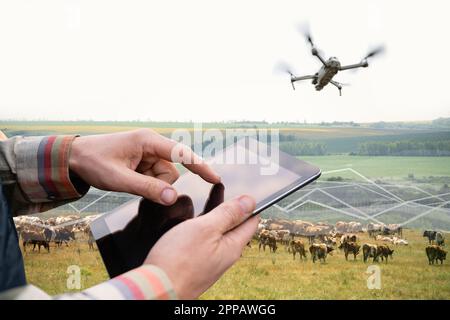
(298, 246)
(384, 252)
(350, 247)
(268, 240)
(435, 253)
(319, 251)
(369, 251)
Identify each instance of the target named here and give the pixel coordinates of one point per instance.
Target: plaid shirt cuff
(42, 165)
(144, 283)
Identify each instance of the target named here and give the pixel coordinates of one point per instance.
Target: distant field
(337, 139)
(383, 167)
(303, 132)
(264, 275)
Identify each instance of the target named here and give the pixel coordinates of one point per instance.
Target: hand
(195, 253)
(137, 162)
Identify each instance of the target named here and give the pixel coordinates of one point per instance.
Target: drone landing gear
(337, 85)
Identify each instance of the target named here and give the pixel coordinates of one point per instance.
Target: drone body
(329, 68)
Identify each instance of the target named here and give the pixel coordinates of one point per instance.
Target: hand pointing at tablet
(137, 162)
(195, 253)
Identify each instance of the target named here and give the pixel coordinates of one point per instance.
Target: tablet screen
(237, 178)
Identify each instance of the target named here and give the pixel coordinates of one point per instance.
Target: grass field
(264, 275)
(260, 275)
(384, 167)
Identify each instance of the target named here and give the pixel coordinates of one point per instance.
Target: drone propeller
(305, 31)
(309, 39)
(283, 67)
(374, 52)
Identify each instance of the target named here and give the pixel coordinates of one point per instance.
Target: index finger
(173, 151)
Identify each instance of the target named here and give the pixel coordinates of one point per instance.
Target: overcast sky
(213, 60)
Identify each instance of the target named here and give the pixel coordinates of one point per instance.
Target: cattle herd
(296, 236)
(36, 232)
(320, 239)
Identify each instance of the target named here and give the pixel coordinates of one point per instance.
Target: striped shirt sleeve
(147, 282)
(42, 166)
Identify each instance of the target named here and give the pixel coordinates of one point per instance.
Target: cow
(392, 229)
(297, 246)
(398, 241)
(63, 235)
(350, 247)
(272, 243)
(285, 237)
(36, 238)
(319, 251)
(440, 239)
(430, 234)
(369, 251)
(263, 235)
(384, 252)
(374, 229)
(384, 239)
(91, 239)
(435, 253)
(348, 238)
(268, 238)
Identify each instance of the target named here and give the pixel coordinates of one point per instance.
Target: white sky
(213, 60)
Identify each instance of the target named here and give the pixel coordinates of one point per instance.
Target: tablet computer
(125, 235)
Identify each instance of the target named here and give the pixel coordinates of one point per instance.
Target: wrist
(75, 155)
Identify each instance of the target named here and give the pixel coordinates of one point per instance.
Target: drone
(329, 67)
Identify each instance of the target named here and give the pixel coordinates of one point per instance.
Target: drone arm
(294, 79)
(362, 64)
(316, 53)
(337, 85)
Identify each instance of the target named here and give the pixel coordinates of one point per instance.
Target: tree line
(405, 148)
(298, 148)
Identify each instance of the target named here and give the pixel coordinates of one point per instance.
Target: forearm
(35, 171)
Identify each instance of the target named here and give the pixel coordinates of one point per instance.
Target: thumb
(231, 213)
(148, 187)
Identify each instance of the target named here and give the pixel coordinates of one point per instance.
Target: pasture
(264, 275)
(389, 168)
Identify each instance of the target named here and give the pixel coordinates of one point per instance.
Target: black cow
(64, 236)
(435, 253)
(431, 235)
